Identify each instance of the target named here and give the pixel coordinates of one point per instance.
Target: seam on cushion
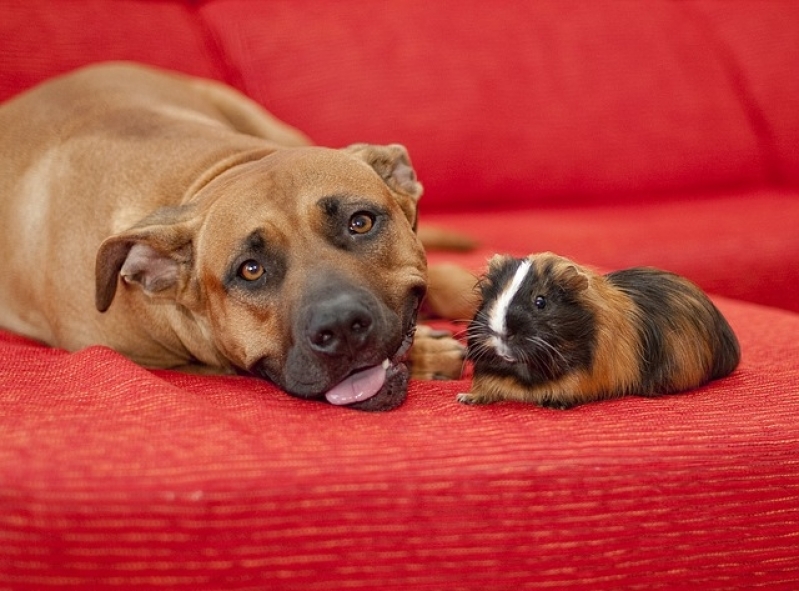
(229, 73)
(740, 84)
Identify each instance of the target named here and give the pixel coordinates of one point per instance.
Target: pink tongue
(359, 386)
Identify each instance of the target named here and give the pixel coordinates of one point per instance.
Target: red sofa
(619, 133)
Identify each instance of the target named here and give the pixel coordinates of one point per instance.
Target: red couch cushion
(522, 102)
(750, 35)
(42, 38)
(111, 475)
(740, 244)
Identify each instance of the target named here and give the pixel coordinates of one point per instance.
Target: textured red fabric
(115, 477)
(660, 132)
(521, 101)
(739, 244)
(749, 35)
(525, 101)
(41, 38)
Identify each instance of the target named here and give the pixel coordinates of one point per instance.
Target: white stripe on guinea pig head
(498, 314)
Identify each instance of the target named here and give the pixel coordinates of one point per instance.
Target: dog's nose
(340, 325)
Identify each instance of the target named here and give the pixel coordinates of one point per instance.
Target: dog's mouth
(379, 387)
(359, 386)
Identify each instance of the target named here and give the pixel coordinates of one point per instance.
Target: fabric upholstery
(542, 91)
(162, 480)
(737, 243)
(658, 133)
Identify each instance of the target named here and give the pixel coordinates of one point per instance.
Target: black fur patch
(727, 350)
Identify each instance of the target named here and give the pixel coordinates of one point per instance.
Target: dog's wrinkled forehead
(303, 199)
(306, 174)
(289, 183)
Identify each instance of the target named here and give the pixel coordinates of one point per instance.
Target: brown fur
(128, 192)
(693, 345)
(452, 292)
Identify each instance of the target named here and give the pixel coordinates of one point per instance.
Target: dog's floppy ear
(155, 254)
(393, 165)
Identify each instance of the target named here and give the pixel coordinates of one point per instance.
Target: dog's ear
(393, 165)
(156, 255)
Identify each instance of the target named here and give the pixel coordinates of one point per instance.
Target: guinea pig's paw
(435, 355)
(556, 404)
(471, 398)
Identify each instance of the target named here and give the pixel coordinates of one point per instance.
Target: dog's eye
(251, 270)
(540, 302)
(361, 222)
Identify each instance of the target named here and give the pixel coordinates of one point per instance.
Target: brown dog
(174, 220)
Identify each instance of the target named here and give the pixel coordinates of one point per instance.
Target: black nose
(340, 325)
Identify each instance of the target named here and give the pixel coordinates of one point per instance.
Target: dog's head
(302, 267)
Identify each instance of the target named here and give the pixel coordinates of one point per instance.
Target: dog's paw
(435, 355)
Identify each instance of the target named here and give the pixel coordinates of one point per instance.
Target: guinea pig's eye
(540, 302)
(251, 270)
(361, 222)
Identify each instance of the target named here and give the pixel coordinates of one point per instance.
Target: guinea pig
(551, 332)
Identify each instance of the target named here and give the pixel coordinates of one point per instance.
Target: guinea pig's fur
(557, 334)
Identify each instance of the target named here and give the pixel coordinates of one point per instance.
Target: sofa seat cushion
(112, 473)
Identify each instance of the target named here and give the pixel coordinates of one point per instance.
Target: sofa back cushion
(502, 104)
(524, 103)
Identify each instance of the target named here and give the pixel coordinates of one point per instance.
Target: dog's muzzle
(349, 349)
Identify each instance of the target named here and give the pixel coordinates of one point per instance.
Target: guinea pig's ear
(154, 255)
(574, 279)
(393, 165)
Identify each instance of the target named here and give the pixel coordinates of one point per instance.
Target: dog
(176, 221)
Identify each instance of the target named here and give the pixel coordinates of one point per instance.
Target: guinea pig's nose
(513, 323)
(340, 325)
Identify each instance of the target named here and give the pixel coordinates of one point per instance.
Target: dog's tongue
(359, 386)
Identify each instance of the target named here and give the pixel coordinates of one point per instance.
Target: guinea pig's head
(536, 320)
